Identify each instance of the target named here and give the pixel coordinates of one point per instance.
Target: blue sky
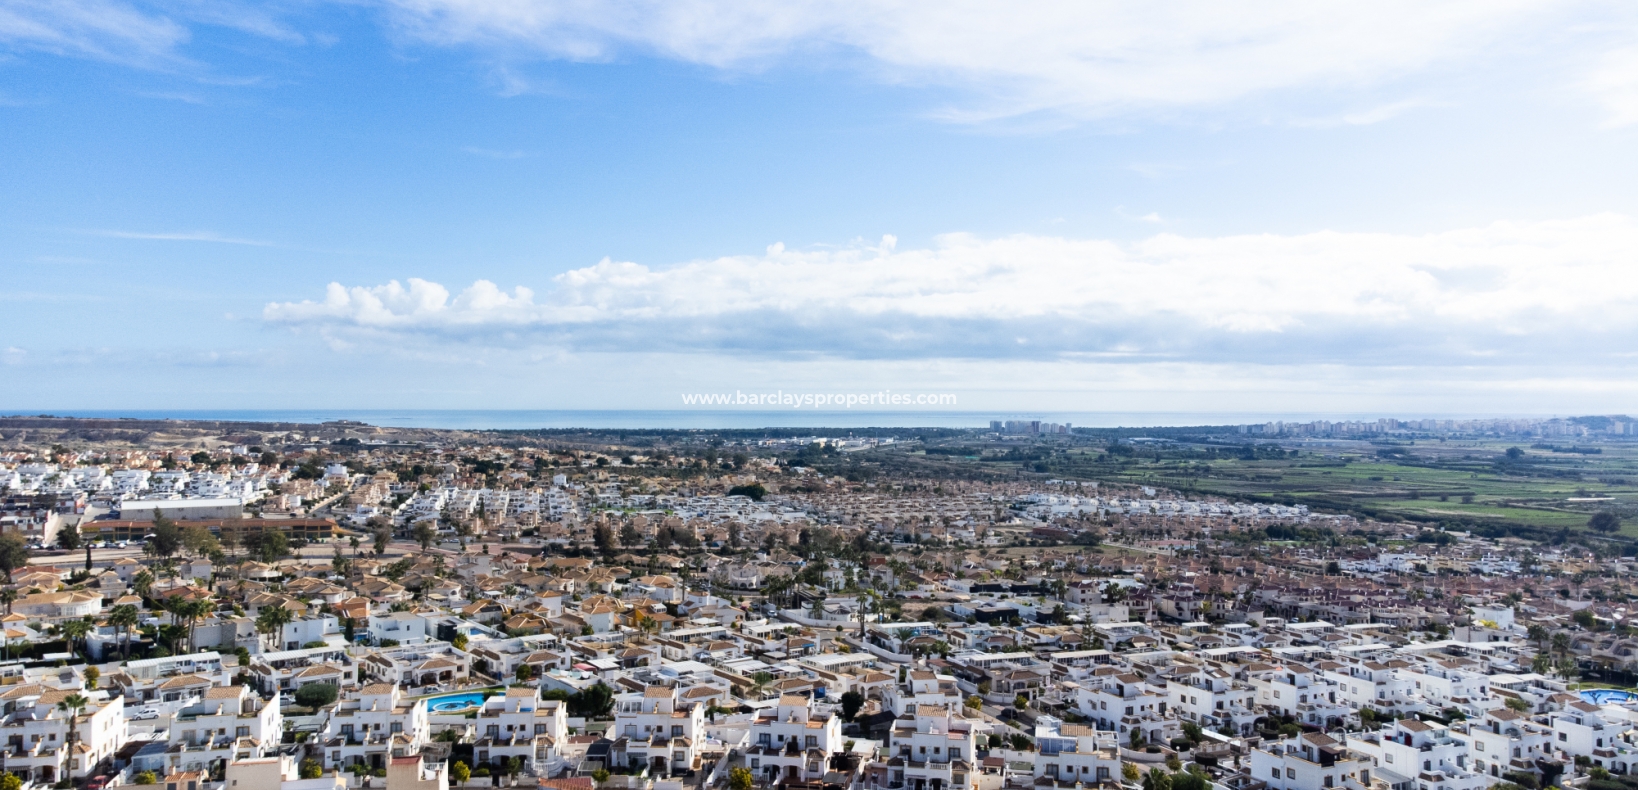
(1388, 208)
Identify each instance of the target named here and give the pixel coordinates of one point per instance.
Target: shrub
(483, 771)
(310, 769)
(316, 695)
(1527, 781)
(144, 778)
(459, 772)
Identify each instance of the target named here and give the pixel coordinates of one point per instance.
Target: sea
(722, 419)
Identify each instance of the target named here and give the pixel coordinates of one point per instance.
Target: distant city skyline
(1386, 208)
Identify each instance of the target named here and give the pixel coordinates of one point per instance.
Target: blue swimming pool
(451, 703)
(1608, 696)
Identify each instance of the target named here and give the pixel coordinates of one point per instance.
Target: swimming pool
(451, 703)
(1608, 696)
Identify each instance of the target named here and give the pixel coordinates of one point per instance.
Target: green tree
(525, 673)
(68, 538)
(8, 596)
(1604, 521)
(460, 772)
(1561, 643)
(630, 538)
(1129, 771)
(310, 769)
(604, 538)
(756, 491)
(72, 705)
(76, 630)
(1157, 779)
(1190, 780)
(383, 535)
(852, 701)
(188, 612)
(1192, 732)
(144, 778)
(592, 702)
(271, 546)
(316, 695)
(271, 622)
(459, 642)
(740, 778)
(123, 618)
(13, 554)
(93, 677)
(167, 538)
(1539, 634)
(142, 583)
(424, 534)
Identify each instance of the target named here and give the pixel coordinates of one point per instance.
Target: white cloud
(196, 235)
(102, 29)
(145, 34)
(1551, 290)
(1083, 57)
(1614, 83)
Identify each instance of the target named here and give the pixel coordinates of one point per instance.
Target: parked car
(143, 714)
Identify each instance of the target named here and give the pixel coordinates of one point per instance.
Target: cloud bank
(1094, 58)
(1552, 291)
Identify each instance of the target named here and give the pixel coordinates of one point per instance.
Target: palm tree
(143, 583)
(76, 630)
(189, 611)
(72, 705)
(272, 620)
(1561, 643)
(123, 618)
(8, 595)
(1539, 634)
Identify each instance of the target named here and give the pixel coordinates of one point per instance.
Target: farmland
(1517, 487)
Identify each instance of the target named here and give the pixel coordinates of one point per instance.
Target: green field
(1467, 483)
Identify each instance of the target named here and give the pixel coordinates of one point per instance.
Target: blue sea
(503, 419)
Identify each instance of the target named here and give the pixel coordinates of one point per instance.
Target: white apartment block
(1122, 701)
(1302, 694)
(655, 728)
(1212, 699)
(1505, 741)
(229, 723)
(1427, 755)
(792, 742)
(1076, 753)
(35, 733)
(931, 751)
(374, 725)
(922, 689)
(520, 724)
(1310, 761)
